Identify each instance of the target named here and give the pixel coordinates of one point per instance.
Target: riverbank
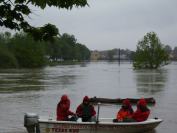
(67, 62)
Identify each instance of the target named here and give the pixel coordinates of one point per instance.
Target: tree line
(22, 51)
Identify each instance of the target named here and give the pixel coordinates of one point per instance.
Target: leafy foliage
(28, 52)
(21, 50)
(13, 12)
(150, 52)
(7, 59)
(67, 48)
(45, 33)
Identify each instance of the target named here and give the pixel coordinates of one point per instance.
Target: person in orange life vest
(63, 109)
(125, 112)
(142, 112)
(85, 110)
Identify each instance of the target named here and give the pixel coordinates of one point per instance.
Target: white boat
(34, 124)
(105, 125)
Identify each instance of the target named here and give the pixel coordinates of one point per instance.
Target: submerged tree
(150, 53)
(13, 15)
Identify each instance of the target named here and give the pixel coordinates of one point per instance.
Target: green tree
(28, 52)
(68, 46)
(175, 53)
(7, 59)
(82, 52)
(13, 15)
(53, 49)
(150, 52)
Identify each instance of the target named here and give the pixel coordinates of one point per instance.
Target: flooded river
(38, 91)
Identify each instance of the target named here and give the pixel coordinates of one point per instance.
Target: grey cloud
(108, 24)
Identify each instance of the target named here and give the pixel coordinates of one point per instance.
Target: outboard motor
(31, 122)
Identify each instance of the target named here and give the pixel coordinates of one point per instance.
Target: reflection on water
(13, 80)
(151, 81)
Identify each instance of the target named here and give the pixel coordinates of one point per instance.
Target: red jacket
(122, 114)
(126, 111)
(141, 116)
(142, 112)
(63, 109)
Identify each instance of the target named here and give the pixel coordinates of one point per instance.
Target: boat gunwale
(149, 121)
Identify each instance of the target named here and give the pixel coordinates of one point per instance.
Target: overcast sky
(108, 24)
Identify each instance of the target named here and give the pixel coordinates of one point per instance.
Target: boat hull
(51, 126)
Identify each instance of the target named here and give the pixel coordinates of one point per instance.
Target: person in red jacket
(85, 110)
(142, 112)
(63, 109)
(125, 113)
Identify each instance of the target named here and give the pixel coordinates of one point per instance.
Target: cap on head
(64, 98)
(86, 99)
(142, 102)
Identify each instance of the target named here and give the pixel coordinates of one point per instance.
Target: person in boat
(86, 111)
(125, 113)
(63, 107)
(142, 112)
